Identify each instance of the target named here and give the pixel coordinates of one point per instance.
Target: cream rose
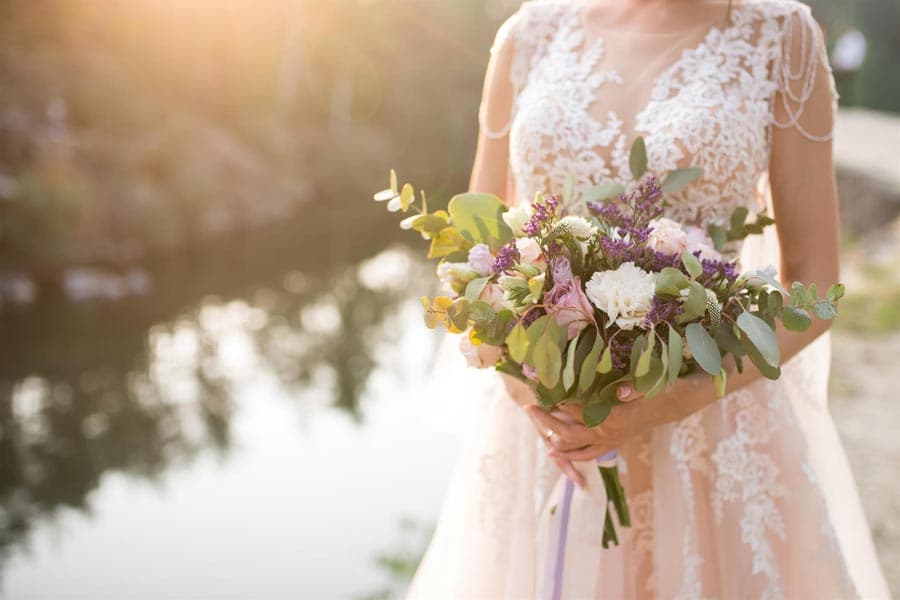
(667, 236)
(516, 217)
(625, 295)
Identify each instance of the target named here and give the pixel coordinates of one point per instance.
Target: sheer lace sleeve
(806, 97)
(502, 82)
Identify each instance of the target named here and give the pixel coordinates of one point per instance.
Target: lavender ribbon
(559, 565)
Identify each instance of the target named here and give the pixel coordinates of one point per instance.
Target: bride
(748, 496)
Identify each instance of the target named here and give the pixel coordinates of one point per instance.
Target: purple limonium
(542, 214)
(663, 309)
(716, 270)
(506, 258)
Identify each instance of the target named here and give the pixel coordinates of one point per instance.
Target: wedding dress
(751, 497)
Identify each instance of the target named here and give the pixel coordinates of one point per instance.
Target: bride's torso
(701, 95)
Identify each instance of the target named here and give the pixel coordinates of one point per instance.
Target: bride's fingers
(565, 436)
(580, 454)
(570, 471)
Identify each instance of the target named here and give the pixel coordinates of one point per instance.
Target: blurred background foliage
(133, 128)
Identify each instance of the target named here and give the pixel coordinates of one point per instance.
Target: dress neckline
(719, 25)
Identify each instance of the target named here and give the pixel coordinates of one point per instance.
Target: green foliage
(738, 228)
(637, 158)
(680, 178)
(703, 348)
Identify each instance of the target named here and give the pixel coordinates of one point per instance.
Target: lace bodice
(709, 97)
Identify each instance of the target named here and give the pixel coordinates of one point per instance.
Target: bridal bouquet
(577, 297)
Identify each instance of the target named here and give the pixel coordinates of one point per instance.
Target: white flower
(579, 226)
(481, 356)
(454, 275)
(697, 239)
(626, 294)
(529, 250)
(516, 217)
(481, 260)
(667, 236)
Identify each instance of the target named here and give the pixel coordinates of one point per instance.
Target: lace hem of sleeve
(798, 73)
(505, 58)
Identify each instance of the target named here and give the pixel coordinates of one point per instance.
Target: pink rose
(569, 305)
(481, 356)
(529, 250)
(562, 270)
(667, 236)
(697, 239)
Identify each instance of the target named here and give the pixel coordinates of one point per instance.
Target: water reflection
(142, 384)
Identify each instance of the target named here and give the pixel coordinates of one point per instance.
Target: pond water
(268, 422)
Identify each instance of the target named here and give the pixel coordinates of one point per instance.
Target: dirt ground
(865, 406)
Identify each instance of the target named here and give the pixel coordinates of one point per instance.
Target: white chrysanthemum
(481, 260)
(667, 236)
(626, 294)
(579, 226)
(516, 217)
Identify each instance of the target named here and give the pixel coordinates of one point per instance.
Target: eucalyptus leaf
(692, 264)
(605, 365)
(547, 359)
(407, 195)
(637, 158)
(765, 368)
(835, 292)
(643, 363)
(478, 217)
(384, 195)
(680, 178)
(589, 367)
(595, 414)
(481, 311)
(766, 278)
(795, 318)
(475, 287)
(604, 191)
(517, 342)
(649, 380)
(762, 337)
(738, 218)
(719, 236)
(824, 310)
(676, 349)
(703, 348)
(695, 305)
(550, 397)
(568, 375)
(447, 240)
(721, 382)
(671, 281)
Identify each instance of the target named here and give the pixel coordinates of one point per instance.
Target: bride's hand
(524, 396)
(572, 441)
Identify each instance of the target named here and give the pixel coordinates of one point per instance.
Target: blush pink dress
(751, 497)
